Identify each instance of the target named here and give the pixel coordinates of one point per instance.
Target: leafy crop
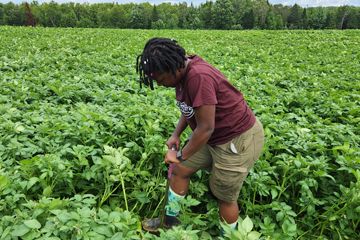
(82, 146)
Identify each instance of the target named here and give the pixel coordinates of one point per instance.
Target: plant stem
(123, 186)
(356, 224)
(157, 206)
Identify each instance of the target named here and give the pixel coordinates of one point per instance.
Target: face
(167, 79)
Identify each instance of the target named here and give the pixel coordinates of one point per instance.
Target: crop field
(82, 146)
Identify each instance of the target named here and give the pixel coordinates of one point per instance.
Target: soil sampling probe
(157, 225)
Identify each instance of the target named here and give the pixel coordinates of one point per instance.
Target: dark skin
(205, 121)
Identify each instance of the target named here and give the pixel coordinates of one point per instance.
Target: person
(227, 138)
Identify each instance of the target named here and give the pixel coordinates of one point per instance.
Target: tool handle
(173, 147)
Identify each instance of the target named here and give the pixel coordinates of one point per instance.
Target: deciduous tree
(342, 13)
(138, 18)
(317, 19)
(261, 9)
(222, 14)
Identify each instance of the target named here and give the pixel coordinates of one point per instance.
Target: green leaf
(118, 235)
(274, 193)
(130, 144)
(3, 182)
(103, 215)
(247, 224)
(103, 229)
(19, 128)
(20, 230)
(64, 216)
(110, 159)
(253, 235)
(55, 204)
(95, 236)
(89, 201)
(279, 216)
(141, 196)
(205, 235)
(32, 223)
(291, 227)
(310, 209)
(121, 226)
(47, 191)
(6, 232)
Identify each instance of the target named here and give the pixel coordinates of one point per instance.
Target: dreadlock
(160, 54)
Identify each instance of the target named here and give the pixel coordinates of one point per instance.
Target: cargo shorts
(229, 163)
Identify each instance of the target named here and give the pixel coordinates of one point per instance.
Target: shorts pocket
(226, 181)
(231, 168)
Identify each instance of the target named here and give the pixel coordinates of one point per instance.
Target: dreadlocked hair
(160, 54)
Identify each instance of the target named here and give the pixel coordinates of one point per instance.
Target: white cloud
(316, 3)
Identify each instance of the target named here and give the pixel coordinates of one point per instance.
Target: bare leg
(180, 179)
(228, 211)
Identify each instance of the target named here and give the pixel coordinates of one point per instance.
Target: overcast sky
(303, 3)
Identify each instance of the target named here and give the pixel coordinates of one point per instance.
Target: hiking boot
(152, 224)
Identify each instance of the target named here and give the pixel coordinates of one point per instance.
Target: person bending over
(227, 138)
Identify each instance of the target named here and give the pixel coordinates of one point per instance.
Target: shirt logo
(185, 109)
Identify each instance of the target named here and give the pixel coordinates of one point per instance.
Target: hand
(173, 140)
(170, 157)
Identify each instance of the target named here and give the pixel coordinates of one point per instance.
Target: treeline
(221, 14)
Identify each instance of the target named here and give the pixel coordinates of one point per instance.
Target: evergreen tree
(196, 24)
(279, 22)
(222, 14)
(205, 14)
(353, 21)
(183, 13)
(1, 14)
(304, 20)
(193, 13)
(154, 14)
(318, 19)
(330, 22)
(295, 16)
(249, 20)
(11, 14)
(271, 21)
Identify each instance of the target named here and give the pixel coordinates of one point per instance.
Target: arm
(175, 138)
(205, 121)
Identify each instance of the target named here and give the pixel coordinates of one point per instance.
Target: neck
(183, 71)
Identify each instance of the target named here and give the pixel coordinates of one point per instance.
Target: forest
(219, 14)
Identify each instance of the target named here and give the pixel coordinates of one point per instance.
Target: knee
(182, 172)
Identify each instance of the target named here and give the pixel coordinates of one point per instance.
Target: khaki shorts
(229, 164)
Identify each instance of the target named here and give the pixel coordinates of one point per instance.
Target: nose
(159, 84)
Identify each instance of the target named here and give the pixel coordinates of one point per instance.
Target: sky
(302, 3)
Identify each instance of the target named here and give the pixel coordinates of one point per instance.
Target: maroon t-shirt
(203, 84)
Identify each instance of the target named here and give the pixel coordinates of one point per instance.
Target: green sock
(173, 211)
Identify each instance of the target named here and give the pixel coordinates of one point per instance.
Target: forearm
(182, 124)
(197, 141)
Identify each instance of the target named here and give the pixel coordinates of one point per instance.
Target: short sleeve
(202, 90)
